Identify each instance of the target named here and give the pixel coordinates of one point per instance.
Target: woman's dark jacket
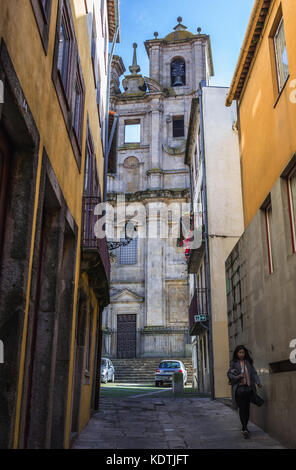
(234, 380)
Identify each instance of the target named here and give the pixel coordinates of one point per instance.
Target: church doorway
(126, 336)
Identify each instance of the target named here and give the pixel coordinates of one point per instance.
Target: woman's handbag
(258, 401)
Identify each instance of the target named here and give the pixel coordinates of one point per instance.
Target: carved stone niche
(131, 162)
(132, 174)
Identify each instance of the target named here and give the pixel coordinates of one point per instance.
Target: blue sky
(224, 20)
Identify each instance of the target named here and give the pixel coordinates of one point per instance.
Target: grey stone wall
(261, 313)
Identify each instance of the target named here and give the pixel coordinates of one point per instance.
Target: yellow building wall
(86, 390)
(268, 137)
(33, 67)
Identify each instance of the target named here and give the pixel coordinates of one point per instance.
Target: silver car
(165, 370)
(107, 370)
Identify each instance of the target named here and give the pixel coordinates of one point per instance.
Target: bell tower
(150, 295)
(180, 60)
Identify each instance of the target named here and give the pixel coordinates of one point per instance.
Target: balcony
(195, 249)
(95, 255)
(198, 306)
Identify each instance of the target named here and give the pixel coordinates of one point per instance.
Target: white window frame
(279, 63)
(269, 241)
(292, 208)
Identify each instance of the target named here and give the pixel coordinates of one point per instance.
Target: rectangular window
(105, 48)
(42, 12)
(281, 55)
(102, 15)
(178, 127)
(68, 79)
(64, 58)
(78, 105)
(129, 253)
(91, 180)
(98, 92)
(45, 5)
(291, 183)
(268, 223)
(132, 132)
(89, 342)
(94, 55)
(64, 54)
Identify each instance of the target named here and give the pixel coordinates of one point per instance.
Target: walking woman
(243, 379)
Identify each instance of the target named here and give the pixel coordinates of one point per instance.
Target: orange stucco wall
(268, 137)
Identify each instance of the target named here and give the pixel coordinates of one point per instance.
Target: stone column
(155, 177)
(154, 271)
(155, 63)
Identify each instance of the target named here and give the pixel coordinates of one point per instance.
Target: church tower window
(132, 132)
(178, 72)
(178, 126)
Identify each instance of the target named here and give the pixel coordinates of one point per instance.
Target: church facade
(148, 313)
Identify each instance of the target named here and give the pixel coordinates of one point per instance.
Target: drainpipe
(106, 143)
(207, 250)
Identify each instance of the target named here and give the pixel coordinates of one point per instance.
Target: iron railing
(156, 341)
(89, 239)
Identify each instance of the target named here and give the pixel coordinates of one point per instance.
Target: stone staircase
(142, 370)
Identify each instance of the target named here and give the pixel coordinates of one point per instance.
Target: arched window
(178, 72)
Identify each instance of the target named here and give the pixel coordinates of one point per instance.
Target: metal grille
(89, 221)
(126, 336)
(89, 239)
(129, 253)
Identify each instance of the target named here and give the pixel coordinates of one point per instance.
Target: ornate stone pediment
(126, 295)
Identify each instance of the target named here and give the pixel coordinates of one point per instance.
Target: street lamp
(129, 230)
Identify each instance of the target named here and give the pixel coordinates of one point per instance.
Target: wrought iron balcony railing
(90, 242)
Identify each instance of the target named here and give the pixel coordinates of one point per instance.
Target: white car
(107, 370)
(165, 370)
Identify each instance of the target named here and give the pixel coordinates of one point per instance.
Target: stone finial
(156, 34)
(135, 68)
(199, 30)
(180, 26)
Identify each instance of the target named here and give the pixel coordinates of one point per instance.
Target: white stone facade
(225, 225)
(152, 172)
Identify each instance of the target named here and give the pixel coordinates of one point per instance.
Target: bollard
(178, 383)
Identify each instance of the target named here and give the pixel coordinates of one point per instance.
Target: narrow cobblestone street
(163, 422)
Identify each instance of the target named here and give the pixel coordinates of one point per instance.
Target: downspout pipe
(106, 143)
(207, 248)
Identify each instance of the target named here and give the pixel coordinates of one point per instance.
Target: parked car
(107, 370)
(165, 370)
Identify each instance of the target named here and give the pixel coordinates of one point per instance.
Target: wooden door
(126, 336)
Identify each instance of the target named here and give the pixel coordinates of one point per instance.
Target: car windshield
(103, 363)
(169, 365)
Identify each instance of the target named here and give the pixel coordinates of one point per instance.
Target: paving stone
(174, 423)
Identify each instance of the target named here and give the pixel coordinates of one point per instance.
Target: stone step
(142, 370)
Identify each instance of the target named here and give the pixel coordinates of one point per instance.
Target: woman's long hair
(247, 354)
